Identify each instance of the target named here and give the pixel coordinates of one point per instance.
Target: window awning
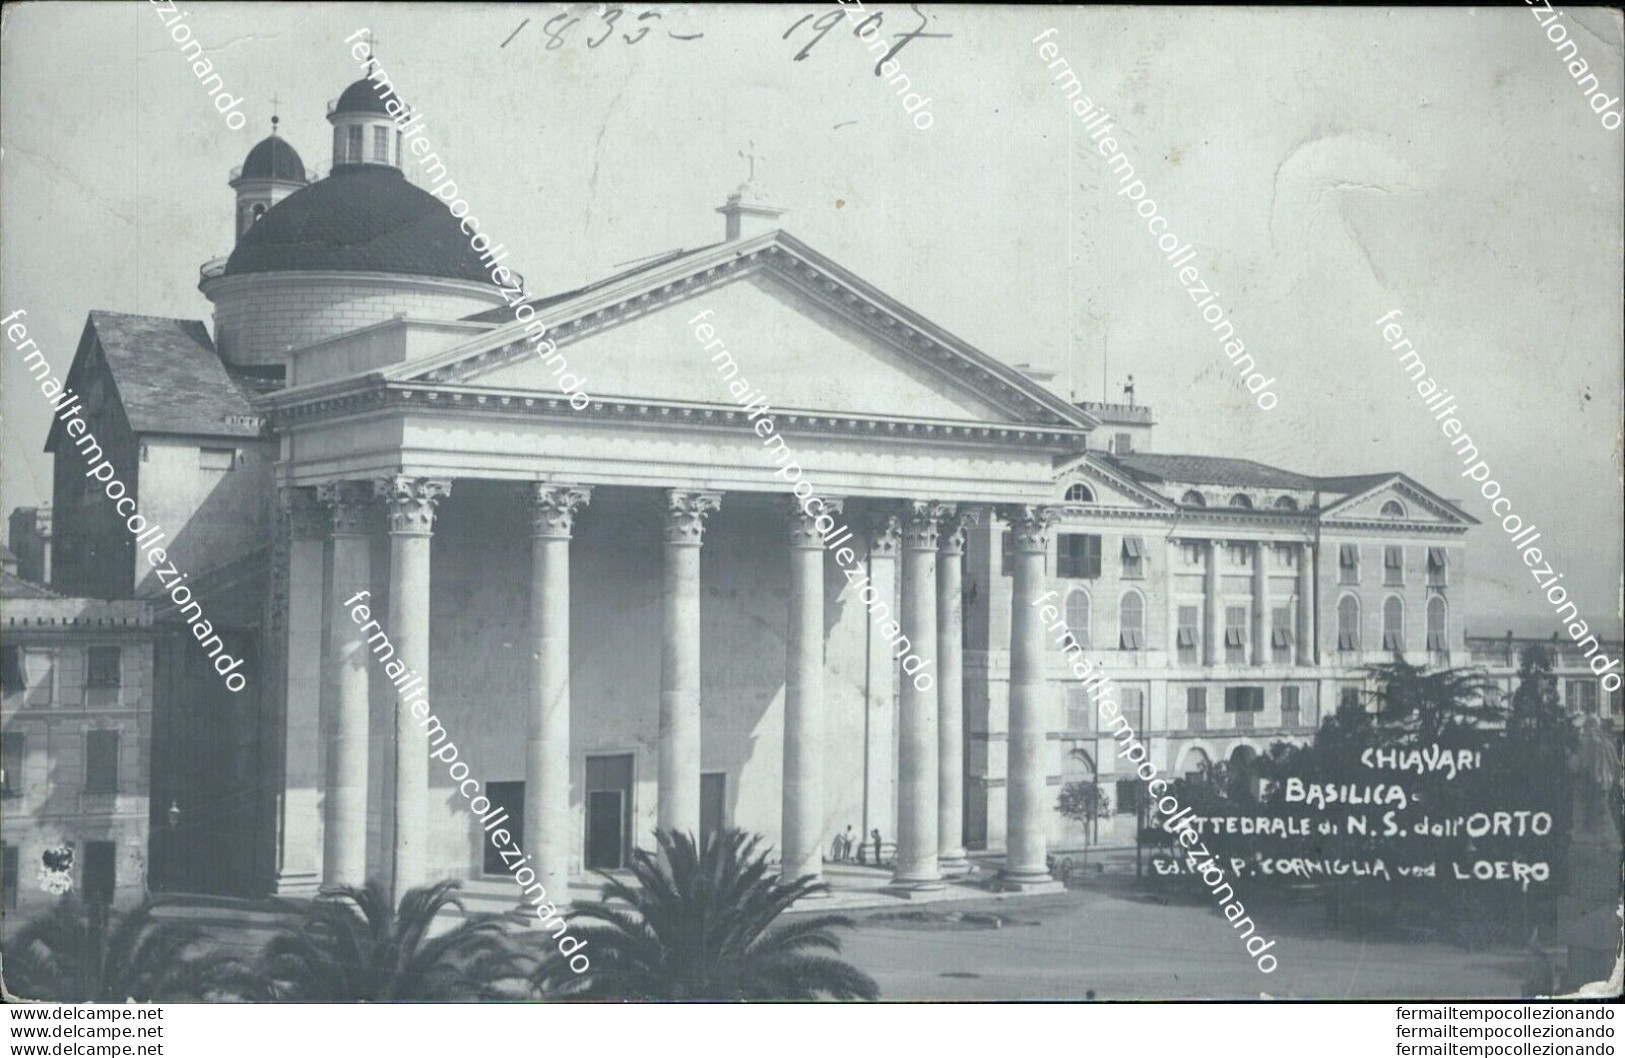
(1436, 642)
(1130, 639)
(1133, 547)
(1348, 641)
(1393, 557)
(1436, 558)
(1348, 554)
(1393, 641)
(1233, 638)
(1281, 637)
(1187, 637)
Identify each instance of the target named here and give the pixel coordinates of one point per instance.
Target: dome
(361, 98)
(273, 159)
(363, 218)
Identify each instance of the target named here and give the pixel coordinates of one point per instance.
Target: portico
(632, 590)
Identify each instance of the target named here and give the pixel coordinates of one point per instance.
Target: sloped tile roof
(1156, 468)
(169, 378)
(504, 313)
(15, 587)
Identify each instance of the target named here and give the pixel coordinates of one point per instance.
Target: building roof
(273, 158)
(169, 378)
(1117, 414)
(361, 98)
(504, 313)
(1157, 468)
(15, 587)
(362, 218)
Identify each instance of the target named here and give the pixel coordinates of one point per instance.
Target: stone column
(879, 745)
(1212, 603)
(1261, 604)
(410, 506)
(299, 644)
(1308, 634)
(917, 868)
(350, 510)
(1026, 847)
(951, 856)
(802, 843)
(679, 785)
(547, 750)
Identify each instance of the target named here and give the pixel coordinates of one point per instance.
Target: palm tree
(87, 954)
(696, 926)
(353, 946)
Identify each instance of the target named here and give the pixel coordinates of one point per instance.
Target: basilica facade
(623, 616)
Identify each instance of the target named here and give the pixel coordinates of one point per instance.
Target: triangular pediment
(800, 331)
(1415, 506)
(1106, 487)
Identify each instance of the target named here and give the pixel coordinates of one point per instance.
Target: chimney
(746, 220)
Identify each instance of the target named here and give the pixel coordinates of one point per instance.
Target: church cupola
(364, 126)
(271, 172)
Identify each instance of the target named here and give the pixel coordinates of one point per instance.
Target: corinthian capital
(954, 526)
(553, 509)
(804, 530)
(685, 514)
(922, 523)
(349, 506)
(885, 532)
(409, 502)
(1029, 526)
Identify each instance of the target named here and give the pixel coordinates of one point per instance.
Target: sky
(1329, 165)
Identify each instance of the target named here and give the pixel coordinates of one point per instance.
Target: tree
(87, 954)
(1443, 707)
(1084, 802)
(698, 924)
(353, 946)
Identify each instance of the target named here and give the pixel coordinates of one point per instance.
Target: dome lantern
(272, 171)
(364, 120)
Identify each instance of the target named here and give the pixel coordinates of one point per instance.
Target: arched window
(1348, 623)
(1393, 624)
(1194, 763)
(1242, 500)
(1393, 509)
(1077, 616)
(1192, 498)
(1078, 765)
(1286, 503)
(1438, 630)
(1131, 622)
(1080, 493)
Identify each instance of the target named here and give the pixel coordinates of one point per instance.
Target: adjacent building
(1233, 603)
(76, 679)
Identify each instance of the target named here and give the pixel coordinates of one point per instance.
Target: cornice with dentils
(1030, 405)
